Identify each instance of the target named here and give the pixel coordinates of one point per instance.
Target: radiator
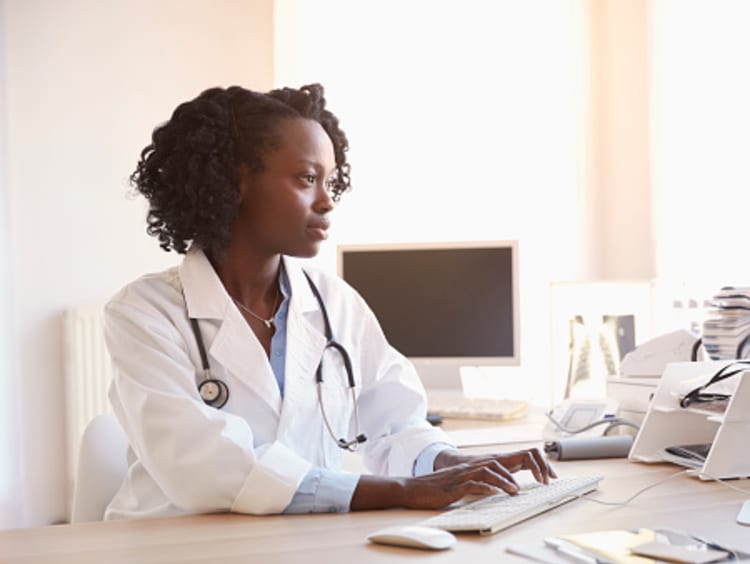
(88, 372)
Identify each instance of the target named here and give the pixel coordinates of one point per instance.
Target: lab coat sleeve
(393, 406)
(324, 491)
(200, 457)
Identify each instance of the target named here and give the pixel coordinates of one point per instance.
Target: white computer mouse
(414, 536)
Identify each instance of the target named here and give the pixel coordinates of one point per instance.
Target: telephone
(574, 414)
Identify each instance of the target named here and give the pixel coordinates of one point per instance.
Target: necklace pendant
(269, 323)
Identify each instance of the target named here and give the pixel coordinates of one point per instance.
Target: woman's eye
(309, 178)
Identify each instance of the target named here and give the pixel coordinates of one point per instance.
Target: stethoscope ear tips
(213, 392)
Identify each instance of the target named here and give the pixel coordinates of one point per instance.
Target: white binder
(668, 424)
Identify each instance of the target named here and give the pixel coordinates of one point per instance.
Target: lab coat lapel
(234, 345)
(305, 345)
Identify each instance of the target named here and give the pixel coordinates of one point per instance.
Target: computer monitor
(442, 305)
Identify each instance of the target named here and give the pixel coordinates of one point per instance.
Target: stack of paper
(726, 332)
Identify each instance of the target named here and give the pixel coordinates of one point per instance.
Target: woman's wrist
(448, 457)
(376, 492)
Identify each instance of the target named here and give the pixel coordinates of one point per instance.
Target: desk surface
(702, 508)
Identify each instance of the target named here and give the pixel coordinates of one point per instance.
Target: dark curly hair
(189, 172)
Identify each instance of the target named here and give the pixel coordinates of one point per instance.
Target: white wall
(463, 126)
(700, 131)
(86, 84)
(11, 504)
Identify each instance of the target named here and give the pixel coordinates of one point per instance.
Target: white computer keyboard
(499, 511)
(476, 408)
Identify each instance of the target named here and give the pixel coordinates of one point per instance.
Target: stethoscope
(215, 392)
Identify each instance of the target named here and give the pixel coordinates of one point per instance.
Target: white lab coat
(250, 456)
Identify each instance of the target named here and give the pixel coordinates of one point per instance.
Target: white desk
(703, 508)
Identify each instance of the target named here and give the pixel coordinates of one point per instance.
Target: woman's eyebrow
(316, 165)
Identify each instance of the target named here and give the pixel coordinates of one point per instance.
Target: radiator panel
(88, 373)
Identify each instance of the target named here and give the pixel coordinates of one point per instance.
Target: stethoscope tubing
(215, 392)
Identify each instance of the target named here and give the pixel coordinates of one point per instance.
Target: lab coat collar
(301, 292)
(205, 295)
(203, 288)
(234, 346)
(206, 298)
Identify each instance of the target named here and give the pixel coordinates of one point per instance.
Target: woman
(240, 182)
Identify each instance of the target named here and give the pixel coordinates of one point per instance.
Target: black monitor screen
(439, 302)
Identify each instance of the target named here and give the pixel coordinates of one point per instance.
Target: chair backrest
(102, 466)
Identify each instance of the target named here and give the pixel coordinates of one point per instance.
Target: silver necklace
(267, 322)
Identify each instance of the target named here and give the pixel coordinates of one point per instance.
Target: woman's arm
(456, 476)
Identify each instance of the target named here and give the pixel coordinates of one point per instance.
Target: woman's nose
(324, 199)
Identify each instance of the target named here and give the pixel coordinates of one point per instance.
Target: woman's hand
(456, 475)
(529, 459)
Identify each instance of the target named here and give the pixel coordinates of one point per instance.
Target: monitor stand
(435, 376)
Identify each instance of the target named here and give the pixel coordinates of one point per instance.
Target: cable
(611, 423)
(722, 481)
(691, 471)
(636, 494)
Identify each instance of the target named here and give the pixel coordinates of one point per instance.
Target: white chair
(102, 466)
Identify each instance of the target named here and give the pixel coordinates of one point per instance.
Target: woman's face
(285, 207)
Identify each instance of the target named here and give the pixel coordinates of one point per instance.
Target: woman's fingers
(530, 459)
(483, 471)
(479, 475)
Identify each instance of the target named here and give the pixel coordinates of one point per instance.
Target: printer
(641, 368)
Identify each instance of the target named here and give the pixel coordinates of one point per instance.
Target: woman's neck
(248, 277)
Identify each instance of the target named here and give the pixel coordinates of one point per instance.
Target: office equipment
(580, 417)
(649, 359)
(667, 424)
(693, 456)
(414, 536)
(743, 517)
(633, 395)
(459, 407)
(640, 370)
(443, 305)
(616, 446)
(493, 513)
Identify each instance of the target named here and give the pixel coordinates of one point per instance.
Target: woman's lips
(319, 231)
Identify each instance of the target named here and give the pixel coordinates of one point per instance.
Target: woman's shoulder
(335, 292)
(328, 283)
(149, 291)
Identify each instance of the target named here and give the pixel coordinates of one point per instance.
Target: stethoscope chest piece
(214, 392)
